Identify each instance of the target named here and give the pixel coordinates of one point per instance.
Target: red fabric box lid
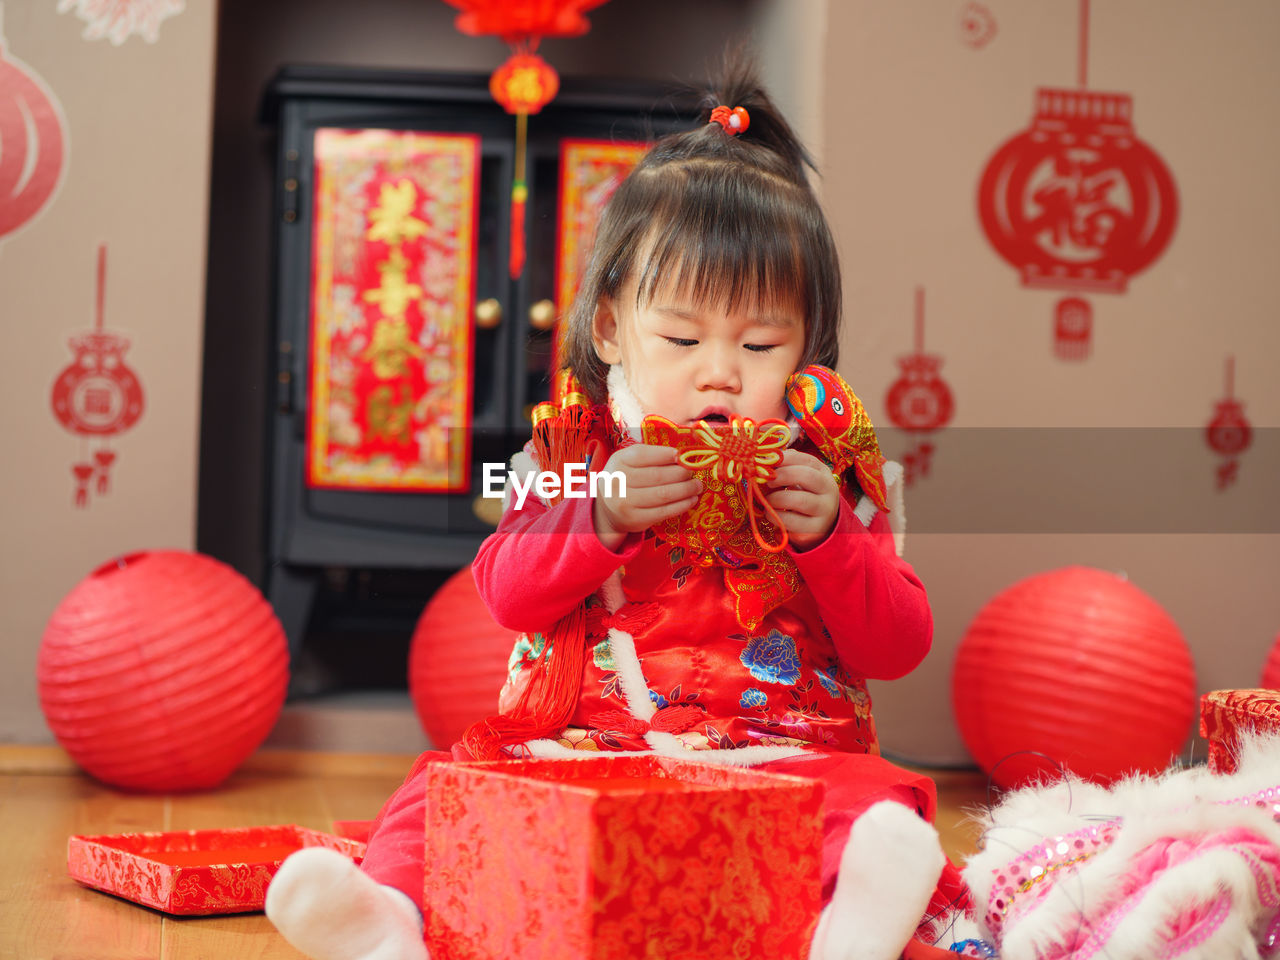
(614, 857)
(194, 871)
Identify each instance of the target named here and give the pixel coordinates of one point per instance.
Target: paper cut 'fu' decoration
(1077, 202)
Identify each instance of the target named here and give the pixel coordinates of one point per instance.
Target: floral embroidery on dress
(753, 699)
(723, 741)
(677, 697)
(771, 658)
(682, 570)
(799, 727)
(524, 652)
(602, 654)
(830, 683)
(612, 686)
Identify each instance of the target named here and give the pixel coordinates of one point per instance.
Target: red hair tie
(734, 121)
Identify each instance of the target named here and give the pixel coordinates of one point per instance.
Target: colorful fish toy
(834, 419)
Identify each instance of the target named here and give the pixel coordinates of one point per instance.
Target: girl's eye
(762, 347)
(680, 342)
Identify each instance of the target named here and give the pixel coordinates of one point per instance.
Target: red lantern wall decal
(97, 396)
(1229, 433)
(525, 83)
(919, 401)
(1077, 202)
(32, 142)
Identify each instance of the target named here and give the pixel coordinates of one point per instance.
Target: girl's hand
(657, 488)
(806, 498)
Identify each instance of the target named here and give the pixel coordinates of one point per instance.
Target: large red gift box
(1226, 714)
(619, 857)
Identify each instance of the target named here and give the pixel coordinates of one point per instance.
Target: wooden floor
(44, 915)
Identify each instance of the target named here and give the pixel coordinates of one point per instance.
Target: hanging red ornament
(96, 395)
(516, 19)
(919, 401)
(525, 83)
(1229, 433)
(1072, 328)
(1077, 201)
(32, 142)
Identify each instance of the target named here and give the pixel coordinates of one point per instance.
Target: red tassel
(519, 193)
(555, 679)
(547, 703)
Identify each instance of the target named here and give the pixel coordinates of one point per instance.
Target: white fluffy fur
(1185, 804)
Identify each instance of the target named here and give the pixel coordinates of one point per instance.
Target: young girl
(713, 280)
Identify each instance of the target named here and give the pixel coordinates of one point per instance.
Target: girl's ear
(604, 332)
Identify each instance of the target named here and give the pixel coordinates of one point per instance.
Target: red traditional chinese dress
(730, 655)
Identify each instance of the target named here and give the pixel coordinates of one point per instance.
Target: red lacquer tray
(192, 872)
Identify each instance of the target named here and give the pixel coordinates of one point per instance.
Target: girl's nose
(719, 369)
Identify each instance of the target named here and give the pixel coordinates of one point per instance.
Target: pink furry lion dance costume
(1185, 865)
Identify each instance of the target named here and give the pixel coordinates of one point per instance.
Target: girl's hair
(728, 220)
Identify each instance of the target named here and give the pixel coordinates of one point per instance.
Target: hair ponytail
(727, 218)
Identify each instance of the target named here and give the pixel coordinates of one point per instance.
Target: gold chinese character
(390, 349)
(395, 292)
(392, 220)
(389, 419)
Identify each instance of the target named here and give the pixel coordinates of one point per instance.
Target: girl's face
(689, 361)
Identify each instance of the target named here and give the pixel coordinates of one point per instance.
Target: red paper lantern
(162, 671)
(457, 661)
(1079, 665)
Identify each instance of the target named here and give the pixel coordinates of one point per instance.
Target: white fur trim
(668, 745)
(623, 404)
(866, 511)
(895, 497)
(635, 692)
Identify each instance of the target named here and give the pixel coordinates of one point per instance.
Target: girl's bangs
(736, 254)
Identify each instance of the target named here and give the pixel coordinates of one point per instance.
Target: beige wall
(136, 178)
(912, 115)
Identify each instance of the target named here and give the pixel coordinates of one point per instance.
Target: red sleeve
(540, 562)
(871, 601)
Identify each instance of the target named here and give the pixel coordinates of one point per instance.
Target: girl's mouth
(713, 415)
